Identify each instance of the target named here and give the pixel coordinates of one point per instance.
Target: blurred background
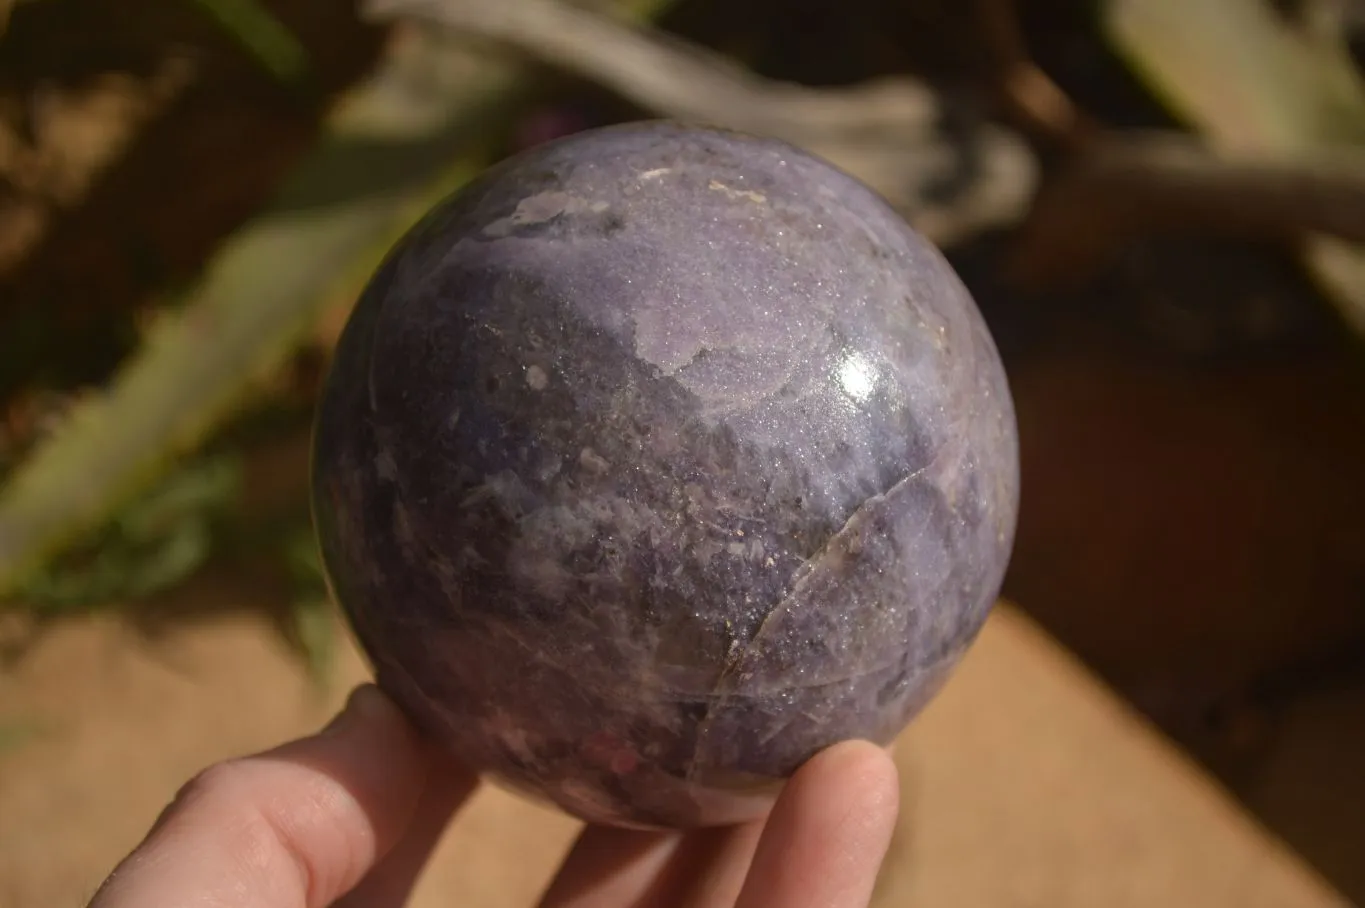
(1158, 204)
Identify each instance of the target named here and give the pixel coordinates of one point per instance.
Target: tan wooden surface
(1025, 782)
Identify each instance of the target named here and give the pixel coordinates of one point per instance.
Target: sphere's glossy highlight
(655, 461)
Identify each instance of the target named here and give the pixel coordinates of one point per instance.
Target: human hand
(349, 817)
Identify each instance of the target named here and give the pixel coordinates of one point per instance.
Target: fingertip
(367, 705)
(860, 770)
(301, 823)
(828, 832)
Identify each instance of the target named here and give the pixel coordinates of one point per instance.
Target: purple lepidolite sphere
(658, 459)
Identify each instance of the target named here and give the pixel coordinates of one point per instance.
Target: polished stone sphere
(658, 459)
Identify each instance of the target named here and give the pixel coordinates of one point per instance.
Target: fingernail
(364, 705)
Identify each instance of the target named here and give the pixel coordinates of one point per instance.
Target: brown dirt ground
(1025, 783)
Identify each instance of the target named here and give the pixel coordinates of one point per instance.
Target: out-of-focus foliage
(426, 122)
(155, 542)
(314, 631)
(268, 40)
(121, 500)
(1250, 81)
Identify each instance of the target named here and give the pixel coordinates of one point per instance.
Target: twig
(1030, 95)
(1128, 186)
(887, 132)
(673, 77)
(7, 8)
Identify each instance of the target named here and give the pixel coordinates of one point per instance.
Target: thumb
(294, 827)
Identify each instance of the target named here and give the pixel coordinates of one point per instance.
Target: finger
(718, 881)
(392, 880)
(828, 833)
(710, 867)
(610, 867)
(295, 827)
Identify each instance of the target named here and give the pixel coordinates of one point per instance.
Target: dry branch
(1129, 186)
(887, 132)
(1027, 92)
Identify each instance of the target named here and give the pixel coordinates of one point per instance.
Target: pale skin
(349, 817)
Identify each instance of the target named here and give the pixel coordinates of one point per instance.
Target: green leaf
(314, 620)
(315, 628)
(423, 125)
(159, 540)
(1240, 74)
(267, 39)
(1250, 82)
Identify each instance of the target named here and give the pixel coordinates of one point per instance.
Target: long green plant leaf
(422, 125)
(1250, 82)
(266, 38)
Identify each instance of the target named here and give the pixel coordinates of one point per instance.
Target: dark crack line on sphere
(719, 698)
